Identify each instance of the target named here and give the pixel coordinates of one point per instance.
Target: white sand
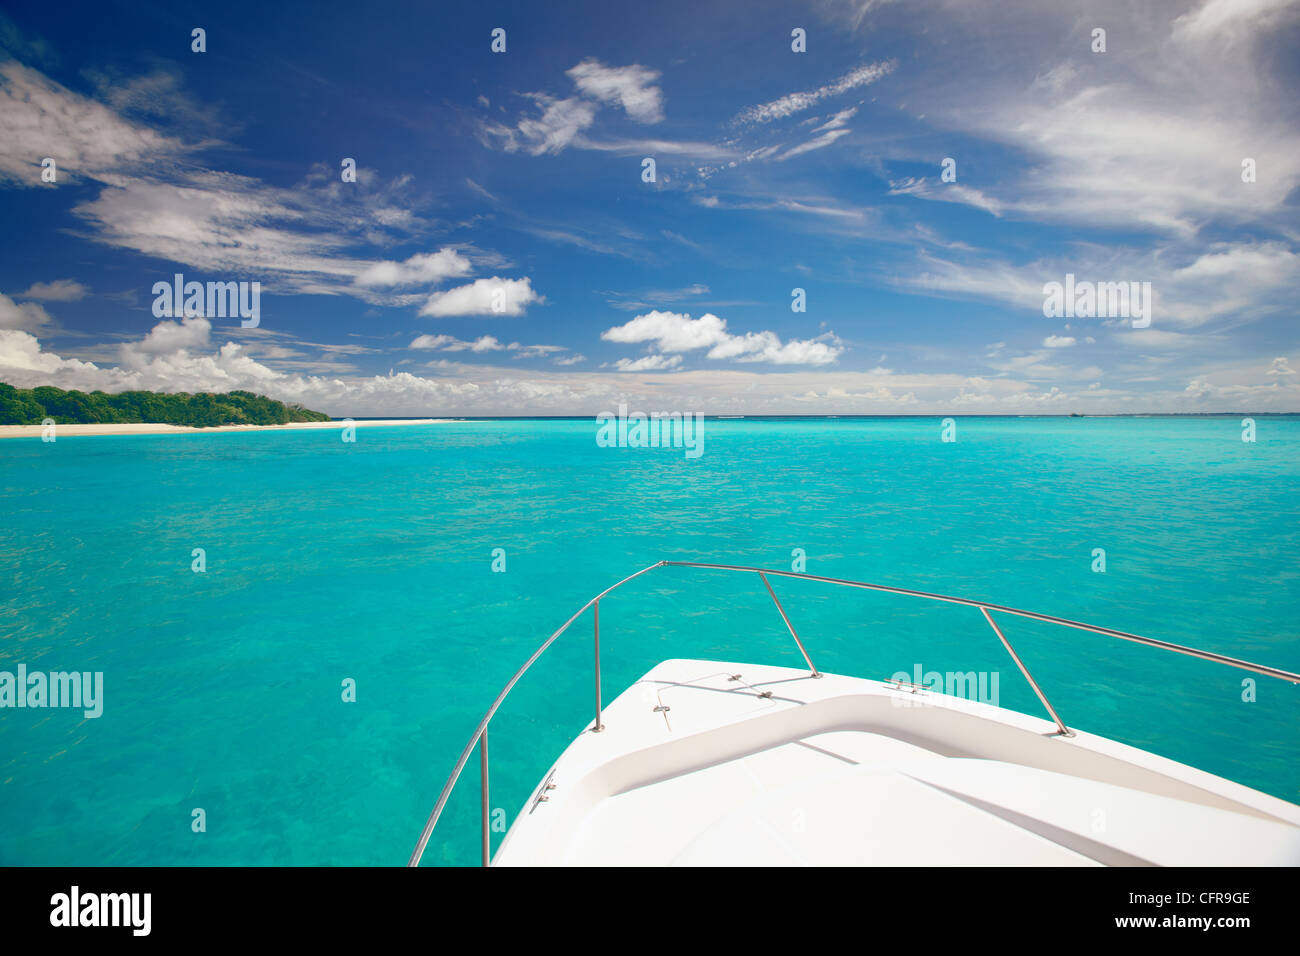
(34, 431)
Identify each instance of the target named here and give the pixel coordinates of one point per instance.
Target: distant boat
(1076, 415)
(714, 763)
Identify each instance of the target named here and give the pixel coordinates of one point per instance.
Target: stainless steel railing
(480, 738)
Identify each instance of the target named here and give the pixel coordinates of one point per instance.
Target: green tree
(203, 410)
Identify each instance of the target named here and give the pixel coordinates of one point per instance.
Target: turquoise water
(372, 561)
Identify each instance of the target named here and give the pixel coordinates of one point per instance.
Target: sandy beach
(34, 431)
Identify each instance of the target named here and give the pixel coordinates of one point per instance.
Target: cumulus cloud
(495, 296)
(169, 336)
(60, 290)
(425, 269)
(631, 87)
(461, 389)
(673, 332)
(24, 364)
(28, 316)
(1059, 341)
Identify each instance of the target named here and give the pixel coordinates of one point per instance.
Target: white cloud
(28, 316)
(449, 343)
(691, 149)
(648, 299)
(825, 139)
(227, 225)
(167, 337)
(1058, 341)
(631, 87)
(670, 331)
(60, 290)
(1223, 21)
(495, 296)
(436, 342)
(839, 120)
(24, 364)
(677, 332)
(484, 343)
(1164, 340)
(1242, 281)
(793, 103)
(947, 192)
(649, 363)
(810, 206)
(467, 390)
(534, 351)
(422, 269)
(562, 120)
(154, 198)
(86, 139)
(1151, 135)
(851, 12)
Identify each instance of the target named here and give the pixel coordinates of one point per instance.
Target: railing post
(598, 727)
(789, 626)
(487, 813)
(1062, 729)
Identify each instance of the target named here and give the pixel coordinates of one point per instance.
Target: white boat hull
(694, 767)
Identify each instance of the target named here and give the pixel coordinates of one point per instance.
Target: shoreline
(148, 428)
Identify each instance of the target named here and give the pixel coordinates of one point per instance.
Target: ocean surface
(372, 562)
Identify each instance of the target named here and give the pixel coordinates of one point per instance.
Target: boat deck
(714, 763)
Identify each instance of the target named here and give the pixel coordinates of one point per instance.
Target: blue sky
(520, 174)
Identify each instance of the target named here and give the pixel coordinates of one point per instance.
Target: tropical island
(32, 406)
